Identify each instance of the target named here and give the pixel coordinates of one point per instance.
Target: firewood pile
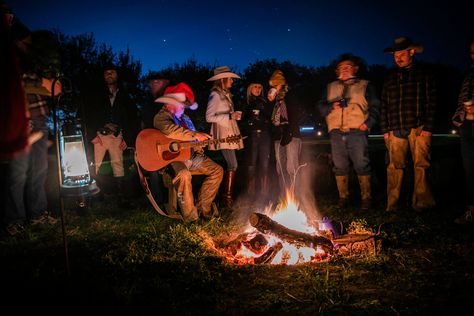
(266, 242)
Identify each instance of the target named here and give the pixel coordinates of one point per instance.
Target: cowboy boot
(343, 188)
(228, 188)
(365, 192)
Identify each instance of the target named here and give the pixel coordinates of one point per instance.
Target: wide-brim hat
(157, 77)
(223, 72)
(180, 94)
(404, 43)
(5, 9)
(109, 66)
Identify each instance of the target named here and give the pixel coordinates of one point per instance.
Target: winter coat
(219, 108)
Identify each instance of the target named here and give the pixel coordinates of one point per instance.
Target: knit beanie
(277, 78)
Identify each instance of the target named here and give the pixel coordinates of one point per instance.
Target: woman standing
(223, 118)
(286, 117)
(257, 120)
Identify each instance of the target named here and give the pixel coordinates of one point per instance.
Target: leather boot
(365, 192)
(343, 188)
(229, 179)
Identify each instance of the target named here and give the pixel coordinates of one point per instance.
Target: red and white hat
(179, 94)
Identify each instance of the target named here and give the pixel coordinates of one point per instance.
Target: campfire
(285, 236)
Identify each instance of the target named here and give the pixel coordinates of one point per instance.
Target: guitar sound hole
(174, 147)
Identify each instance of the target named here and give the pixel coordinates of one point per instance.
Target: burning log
(266, 225)
(257, 244)
(268, 256)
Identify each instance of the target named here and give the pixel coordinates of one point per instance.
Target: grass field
(133, 261)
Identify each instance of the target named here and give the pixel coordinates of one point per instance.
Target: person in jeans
(172, 122)
(464, 119)
(26, 200)
(406, 121)
(286, 116)
(351, 107)
(221, 114)
(257, 121)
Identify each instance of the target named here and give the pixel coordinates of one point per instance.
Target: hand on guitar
(202, 136)
(154, 150)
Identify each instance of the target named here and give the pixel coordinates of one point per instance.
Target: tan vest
(356, 111)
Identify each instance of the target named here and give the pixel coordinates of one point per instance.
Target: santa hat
(179, 94)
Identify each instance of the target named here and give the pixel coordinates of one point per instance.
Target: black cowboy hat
(403, 43)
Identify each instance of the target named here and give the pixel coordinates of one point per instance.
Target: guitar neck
(201, 143)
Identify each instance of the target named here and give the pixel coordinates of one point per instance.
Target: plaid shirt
(408, 100)
(37, 104)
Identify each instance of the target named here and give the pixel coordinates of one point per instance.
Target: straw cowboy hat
(180, 94)
(223, 72)
(404, 43)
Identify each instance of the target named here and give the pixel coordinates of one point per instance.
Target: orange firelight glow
(289, 215)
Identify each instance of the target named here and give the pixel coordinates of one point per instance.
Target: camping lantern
(75, 176)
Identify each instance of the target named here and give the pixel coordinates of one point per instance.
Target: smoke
(312, 166)
(305, 184)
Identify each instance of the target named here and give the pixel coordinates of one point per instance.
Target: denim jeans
(25, 184)
(287, 162)
(258, 153)
(467, 153)
(230, 159)
(350, 147)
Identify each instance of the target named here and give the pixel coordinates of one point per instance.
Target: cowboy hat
(180, 94)
(223, 72)
(403, 43)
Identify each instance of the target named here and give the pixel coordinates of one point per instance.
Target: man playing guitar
(173, 123)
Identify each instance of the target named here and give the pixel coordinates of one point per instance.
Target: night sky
(237, 33)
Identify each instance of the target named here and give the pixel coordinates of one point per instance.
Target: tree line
(82, 59)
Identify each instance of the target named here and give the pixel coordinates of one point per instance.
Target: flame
(289, 215)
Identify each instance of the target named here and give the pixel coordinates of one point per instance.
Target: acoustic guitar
(155, 150)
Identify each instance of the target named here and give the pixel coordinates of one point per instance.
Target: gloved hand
(96, 141)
